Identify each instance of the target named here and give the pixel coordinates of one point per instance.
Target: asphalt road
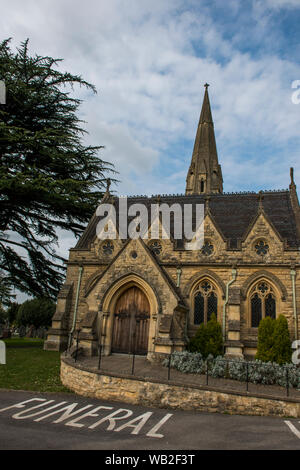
(94, 424)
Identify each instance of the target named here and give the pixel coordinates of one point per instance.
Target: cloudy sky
(149, 60)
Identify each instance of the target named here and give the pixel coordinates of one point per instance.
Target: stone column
(88, 336)
(103, 337)
(233, 346)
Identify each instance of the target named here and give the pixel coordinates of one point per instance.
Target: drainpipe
(293, 277)
(76, 306)
(233, 273)
(178, 272)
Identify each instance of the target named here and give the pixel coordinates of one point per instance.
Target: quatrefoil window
(207, 248)
(156, 247)
(261, 248)
(108, 248)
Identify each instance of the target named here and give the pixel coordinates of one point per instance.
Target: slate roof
(233, 213)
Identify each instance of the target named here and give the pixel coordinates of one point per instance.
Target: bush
(266, 373)
(198, 342)
(281, 341)
(37, 312)
(208, 339)
(265, 340)
(274, 344)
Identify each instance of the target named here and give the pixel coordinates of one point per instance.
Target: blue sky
(149, 61)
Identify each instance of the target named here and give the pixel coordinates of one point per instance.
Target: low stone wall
(169, 395)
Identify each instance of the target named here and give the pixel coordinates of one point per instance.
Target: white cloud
(149, 61)
(282, 3)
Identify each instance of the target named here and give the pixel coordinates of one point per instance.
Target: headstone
(2, 352)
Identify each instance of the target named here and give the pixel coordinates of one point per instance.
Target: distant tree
(12, 312)
(3, 315)
(37, 312)
(49, 179)
(5, 289)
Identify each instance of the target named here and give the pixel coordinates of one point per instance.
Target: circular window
(108, 248)
(261, 248)
(134, 254)
(156, 247)
(207, 248)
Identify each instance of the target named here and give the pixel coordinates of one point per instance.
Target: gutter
(233, 273)
(75, 307)
(293, 277)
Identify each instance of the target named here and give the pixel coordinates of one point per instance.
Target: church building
(149, 296)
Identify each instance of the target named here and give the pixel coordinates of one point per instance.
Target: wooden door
(131, 323)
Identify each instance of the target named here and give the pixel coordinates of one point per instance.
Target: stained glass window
(207, 248)
(199, 309)
(263, 303)
(156, 247)
(205, 302)
(270, 307)
(261, 248)
(255, 311)
(212, 305)
(108, 248)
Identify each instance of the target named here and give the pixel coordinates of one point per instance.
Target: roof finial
(260, 201)
(207, 199)
(206, 85)
(292, 175)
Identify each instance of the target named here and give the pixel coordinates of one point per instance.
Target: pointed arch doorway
(131, 322)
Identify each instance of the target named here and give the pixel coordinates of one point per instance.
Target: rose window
(207, 249)
(262, 248)
(108, 248)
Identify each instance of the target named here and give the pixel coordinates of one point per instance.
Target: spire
(205, 174)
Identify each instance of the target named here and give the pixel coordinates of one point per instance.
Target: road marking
(293, 428)
(68, 415)
(152, 432)
(22, 404)
(141, 420)
(112, 418)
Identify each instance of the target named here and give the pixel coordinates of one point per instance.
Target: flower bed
(258, 372)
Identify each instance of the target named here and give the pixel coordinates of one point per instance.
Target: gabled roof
(232, 212)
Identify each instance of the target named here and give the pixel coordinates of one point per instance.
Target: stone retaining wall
(169, 395)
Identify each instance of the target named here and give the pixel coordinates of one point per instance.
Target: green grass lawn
(29, 367)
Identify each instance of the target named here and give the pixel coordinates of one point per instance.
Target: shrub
(281, 341)
(219, 368)
(208, 339)
(186, 362)
(266, 373)
(198, 342)
(37, 312)
(274, 344)
(265, 340)
(214, 338)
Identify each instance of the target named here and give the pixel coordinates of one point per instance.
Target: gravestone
(2, 353)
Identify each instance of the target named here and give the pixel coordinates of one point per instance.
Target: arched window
(205, 302)
(202, 186)
(262, 303)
